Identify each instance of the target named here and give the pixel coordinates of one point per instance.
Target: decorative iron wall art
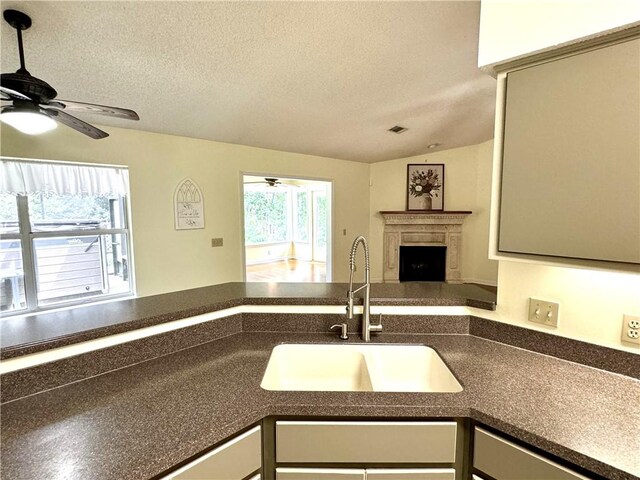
(189, 206)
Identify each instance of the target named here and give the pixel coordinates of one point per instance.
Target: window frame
(294, 220)
(27, 239)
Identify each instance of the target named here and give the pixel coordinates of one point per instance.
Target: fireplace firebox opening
(422, 263)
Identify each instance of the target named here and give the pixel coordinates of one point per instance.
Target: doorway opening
(287, 229)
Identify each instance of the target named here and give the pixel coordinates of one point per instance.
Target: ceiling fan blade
(75, 123)
(81, 107)
(9, 94)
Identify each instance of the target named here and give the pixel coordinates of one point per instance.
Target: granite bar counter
(137, 410)
(139, 422)
(43, 331)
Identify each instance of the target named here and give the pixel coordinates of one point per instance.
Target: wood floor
(287, 271)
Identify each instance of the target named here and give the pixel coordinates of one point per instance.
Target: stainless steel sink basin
(358, 368)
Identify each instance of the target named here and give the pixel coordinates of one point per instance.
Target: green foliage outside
(68, 207)
(265, 216)
(8, 208)
(57, 207)
(302, 220)
(321, 232)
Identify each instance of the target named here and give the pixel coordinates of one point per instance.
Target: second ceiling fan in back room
(269, 181)
(33, 109)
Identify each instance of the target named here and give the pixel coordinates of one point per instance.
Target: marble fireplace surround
(423, 228)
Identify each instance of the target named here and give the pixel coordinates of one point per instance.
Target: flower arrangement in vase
(425, 187)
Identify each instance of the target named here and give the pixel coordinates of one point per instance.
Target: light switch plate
(631, 329)
(216, 242)
(544, 313)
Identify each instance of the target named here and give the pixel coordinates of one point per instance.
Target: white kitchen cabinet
(234, 460)
(411, 474)
(365, 474)
(557, 122)
(504, 460)
(365, 442)
(320, 474)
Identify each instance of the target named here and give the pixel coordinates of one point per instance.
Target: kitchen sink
(358, 368)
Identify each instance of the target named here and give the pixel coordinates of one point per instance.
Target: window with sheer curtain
(64, 234)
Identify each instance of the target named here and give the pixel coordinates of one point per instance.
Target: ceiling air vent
(398, 129)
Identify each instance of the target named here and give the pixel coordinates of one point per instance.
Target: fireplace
(423, 264)
(437, 230)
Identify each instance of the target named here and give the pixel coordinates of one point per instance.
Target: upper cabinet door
(570, 173)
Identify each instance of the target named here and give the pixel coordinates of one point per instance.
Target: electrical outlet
(631, 329)
(544, 313)
(216, 242)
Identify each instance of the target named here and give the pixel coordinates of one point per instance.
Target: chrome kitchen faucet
(367, 328)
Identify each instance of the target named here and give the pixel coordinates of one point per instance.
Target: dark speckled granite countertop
(137, 422)
(33, 333)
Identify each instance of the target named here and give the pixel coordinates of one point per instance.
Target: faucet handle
(376, 327)
(344, 335)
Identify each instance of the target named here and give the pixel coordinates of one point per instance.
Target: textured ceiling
(322, 78)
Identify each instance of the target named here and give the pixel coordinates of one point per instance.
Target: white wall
(467, 187)
(510, 29)
(169, 260)
(592, 302)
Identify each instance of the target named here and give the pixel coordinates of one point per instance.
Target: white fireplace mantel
(423, 228)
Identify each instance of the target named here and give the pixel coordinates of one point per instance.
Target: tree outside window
(266, 216)
(302, 217)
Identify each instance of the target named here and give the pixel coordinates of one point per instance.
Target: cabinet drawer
(343, 442)
(411, 474)
(505, 460)
(234, 460)
(319, 474)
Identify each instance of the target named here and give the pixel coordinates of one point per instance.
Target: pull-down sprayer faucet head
(350, 305)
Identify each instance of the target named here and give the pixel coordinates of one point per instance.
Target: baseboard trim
(489, 283)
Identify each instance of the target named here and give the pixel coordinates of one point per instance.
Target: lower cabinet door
(504, 460)
(320, 474)
(234, 460)
(365, 442)
(368, 474)
(411, 474)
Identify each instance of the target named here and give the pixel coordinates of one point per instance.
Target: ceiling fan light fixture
(27, 121)
(34, 110)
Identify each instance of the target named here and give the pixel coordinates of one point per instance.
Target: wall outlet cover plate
(631, 329)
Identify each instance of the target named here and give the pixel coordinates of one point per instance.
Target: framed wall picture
(188, 206)
(425, 186)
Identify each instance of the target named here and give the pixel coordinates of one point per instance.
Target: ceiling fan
(271, 182)
(33, 109)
